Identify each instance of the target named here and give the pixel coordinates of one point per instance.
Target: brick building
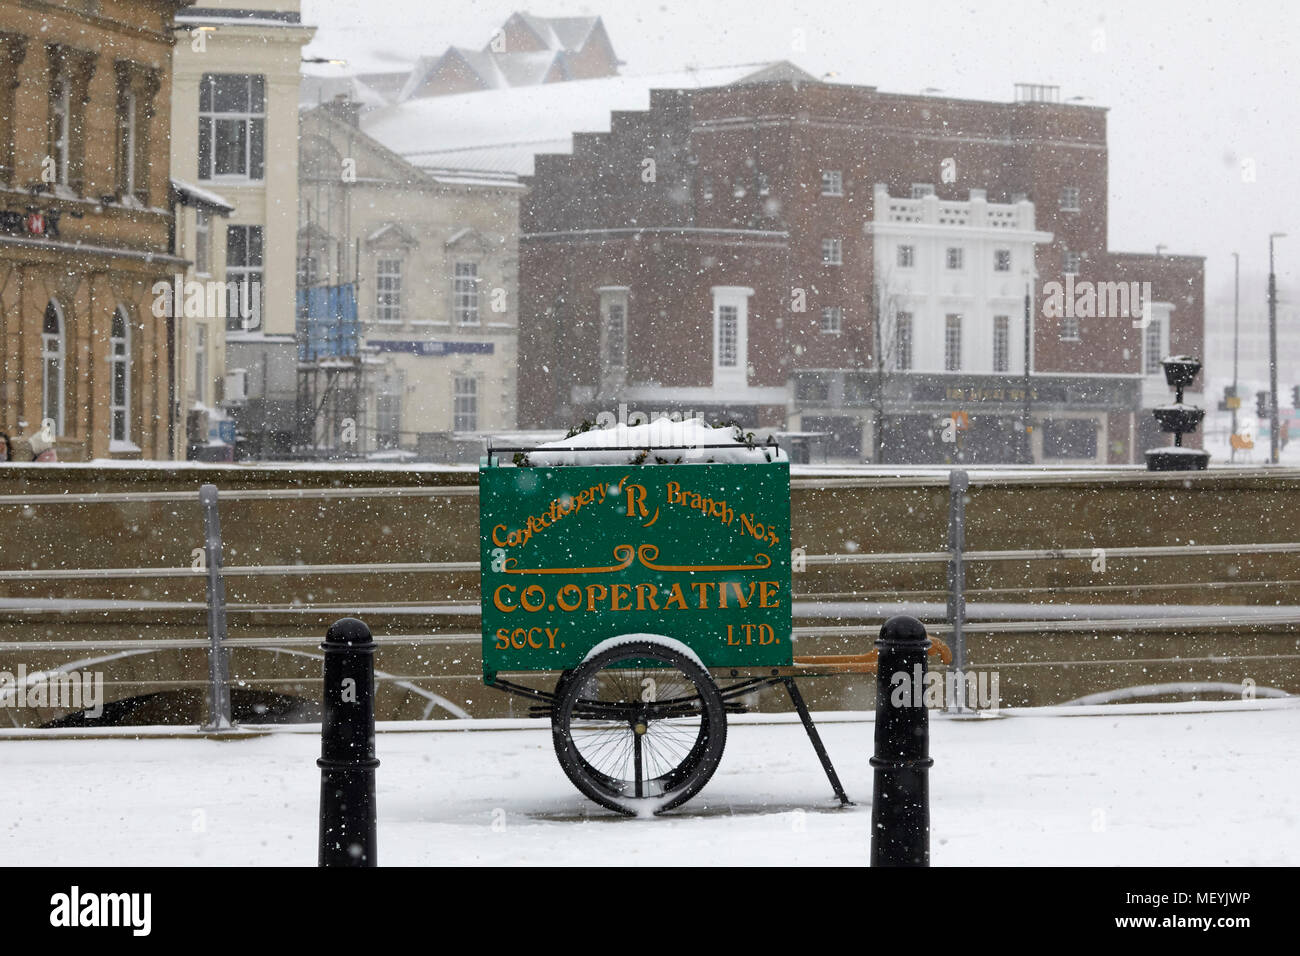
(747, 251)
(85, 96)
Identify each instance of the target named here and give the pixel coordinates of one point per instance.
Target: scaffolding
(330, 373)
(331, 393)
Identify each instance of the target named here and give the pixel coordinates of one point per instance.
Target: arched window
(119, 408)
(52, 366)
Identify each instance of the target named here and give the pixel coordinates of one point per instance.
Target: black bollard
(900, 801)
(347, 747)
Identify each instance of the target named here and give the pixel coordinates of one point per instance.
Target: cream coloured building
(237, 66)
(199, 354)
(434, 259)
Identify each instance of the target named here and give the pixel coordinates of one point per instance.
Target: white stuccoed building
(953, 270)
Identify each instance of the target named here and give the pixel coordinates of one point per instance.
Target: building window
(955, 257)
(232, 125)
(906, 257)
(464, 293)
(1070, 438)
(616, 334)
(13, 49)
(832, 320)
(1070, 262)
(1070, 199)
(52, 366)
(832, 182)
(119, 407)
(1001, 343)
(812, 391)
(202, 241)
(136, 89)
(832, 252)
(952, 343)
(388, 290)
(1070, 328)
(201, 364)
(127, 105)
(388, 420)
(1154, 339)
(613, 330)
(903, 341)
(921, 190)
(1001, 260)
(728, 336)
(243, 277)
(465, 404)
(308, 271)
(61, 126)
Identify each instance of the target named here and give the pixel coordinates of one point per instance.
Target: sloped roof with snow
(192, 195)
(528, 69)
(561, 33)
(494, 70)
(500, 131)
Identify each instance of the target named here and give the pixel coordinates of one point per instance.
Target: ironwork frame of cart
(661, 594)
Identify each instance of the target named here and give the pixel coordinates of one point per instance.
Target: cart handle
(861, 663)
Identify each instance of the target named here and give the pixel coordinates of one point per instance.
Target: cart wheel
(639, 727)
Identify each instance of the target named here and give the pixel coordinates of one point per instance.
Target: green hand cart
(661, 595)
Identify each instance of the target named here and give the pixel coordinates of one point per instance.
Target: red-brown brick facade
(716, 209)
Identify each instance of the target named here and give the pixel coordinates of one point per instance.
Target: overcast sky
(1194, 88)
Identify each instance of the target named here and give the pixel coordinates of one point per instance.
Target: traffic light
(1295, 396)
(1261, 404)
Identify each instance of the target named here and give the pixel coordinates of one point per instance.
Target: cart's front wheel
(639, 726)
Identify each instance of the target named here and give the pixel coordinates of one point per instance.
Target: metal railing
(956, 558)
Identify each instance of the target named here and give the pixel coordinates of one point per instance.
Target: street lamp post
(1236, 295)
(1272, 350)
(1025, 435)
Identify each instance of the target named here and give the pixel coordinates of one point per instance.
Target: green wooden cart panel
(572, 556)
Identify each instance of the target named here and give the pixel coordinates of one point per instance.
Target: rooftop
(500, 131)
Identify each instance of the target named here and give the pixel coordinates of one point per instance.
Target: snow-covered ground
(1209, 784)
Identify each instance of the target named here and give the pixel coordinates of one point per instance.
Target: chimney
(346, 109)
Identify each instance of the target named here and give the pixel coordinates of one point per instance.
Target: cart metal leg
(793, 690)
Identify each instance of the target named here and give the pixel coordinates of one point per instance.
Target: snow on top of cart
(662, 441)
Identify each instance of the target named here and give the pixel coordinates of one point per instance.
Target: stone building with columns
(85, 225)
